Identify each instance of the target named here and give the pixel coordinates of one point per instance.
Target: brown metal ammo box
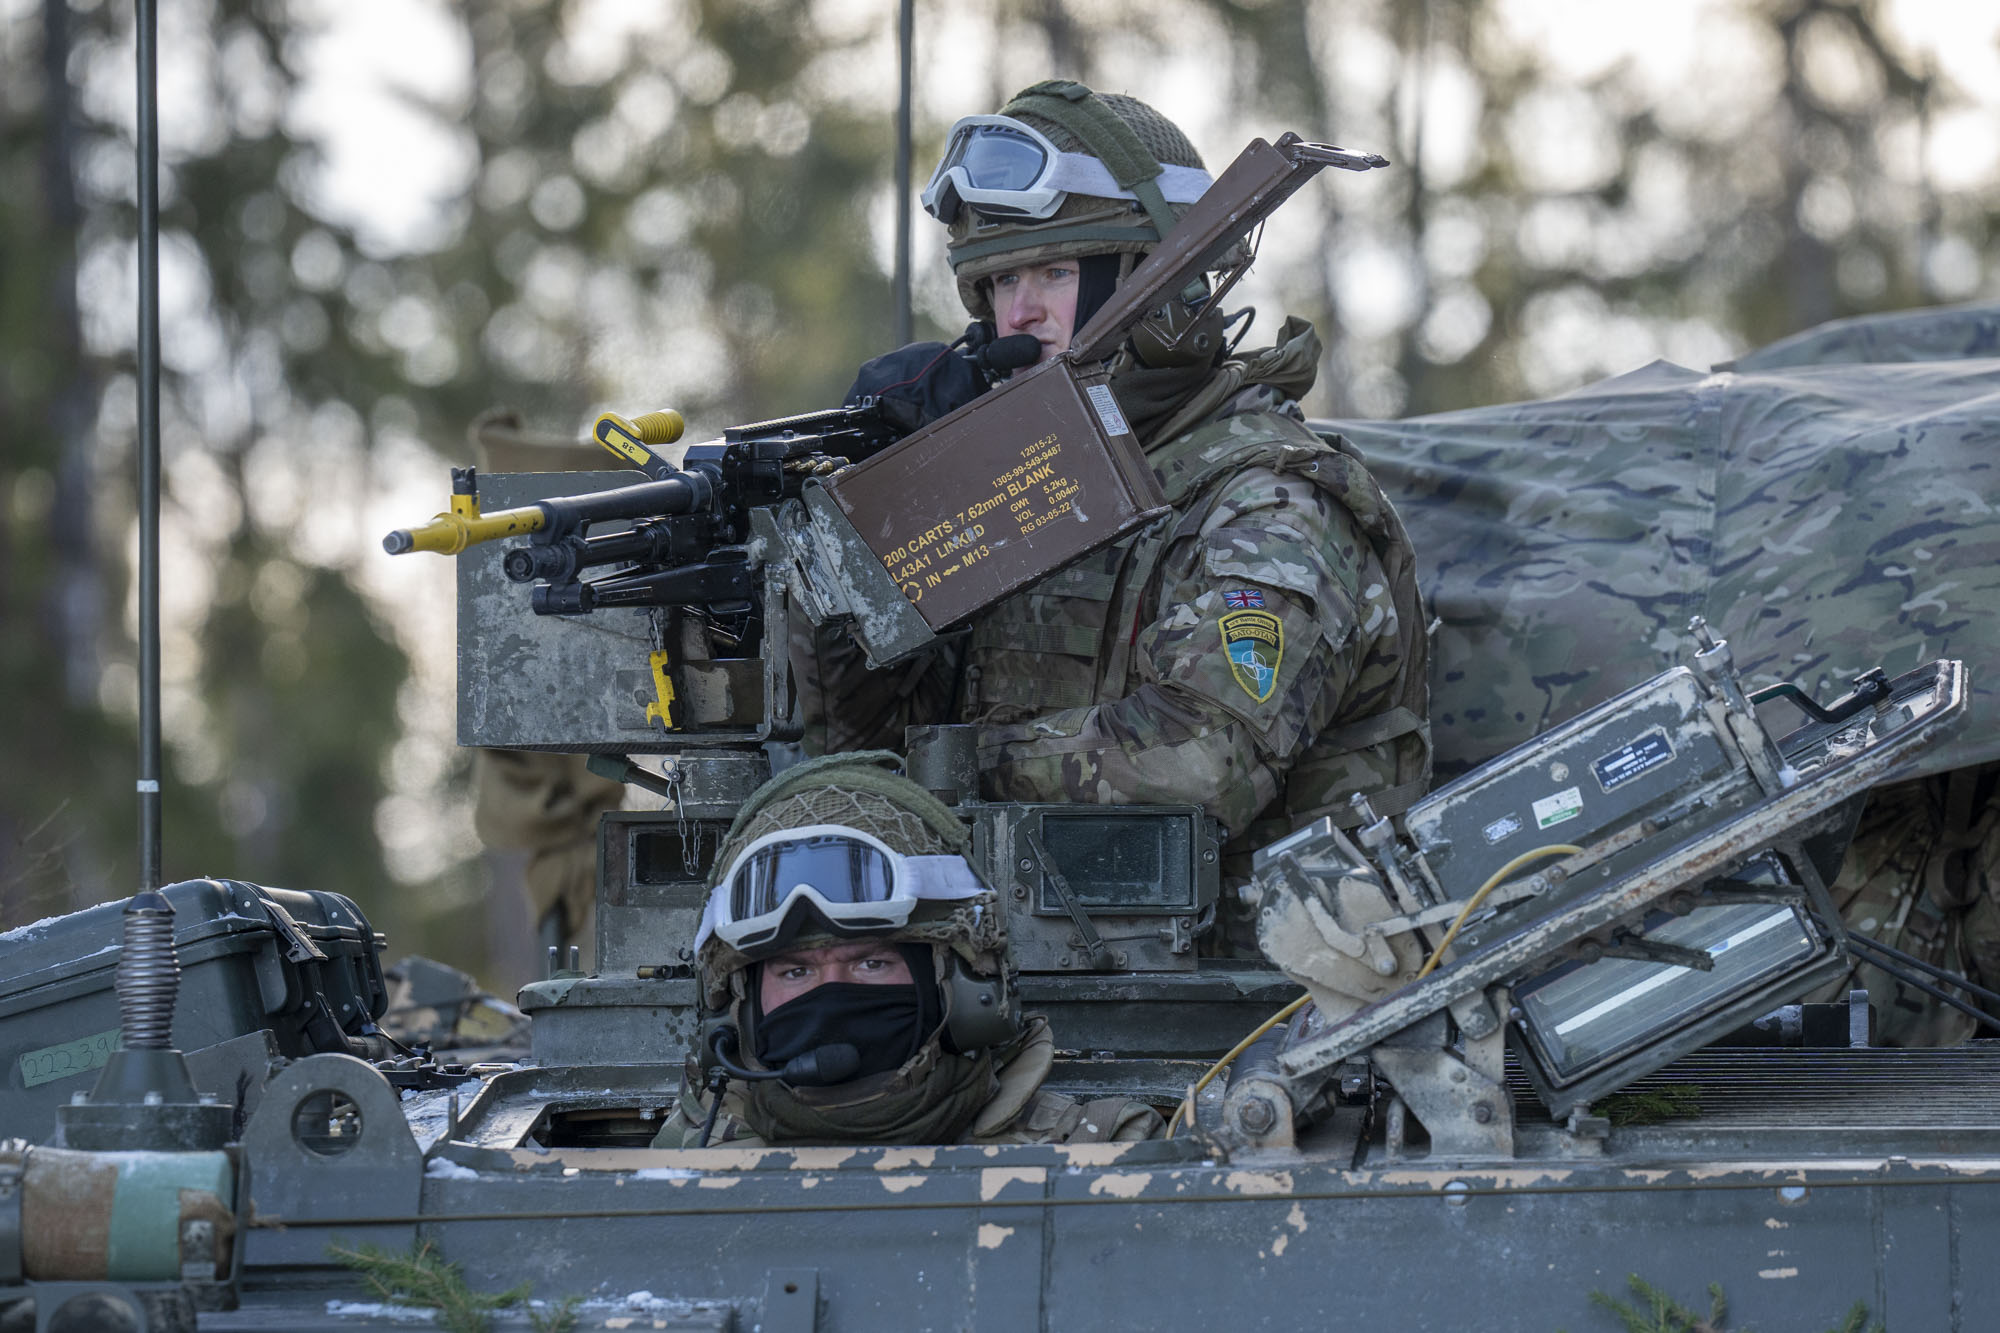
(1005, 490)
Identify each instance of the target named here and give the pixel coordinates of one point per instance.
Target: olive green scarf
(929, 1100)
(1163, 404)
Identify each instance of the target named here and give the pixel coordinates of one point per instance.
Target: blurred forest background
(383, 216)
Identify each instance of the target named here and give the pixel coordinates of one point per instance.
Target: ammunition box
(1012, 487)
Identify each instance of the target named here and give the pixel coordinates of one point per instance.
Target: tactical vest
(1067, 641)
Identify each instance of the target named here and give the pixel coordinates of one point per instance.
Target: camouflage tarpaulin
(1829, 503)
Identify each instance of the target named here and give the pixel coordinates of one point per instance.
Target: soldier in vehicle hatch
(1261, 650)
(854, 978)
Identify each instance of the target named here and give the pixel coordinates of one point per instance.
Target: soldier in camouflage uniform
(1261, 650)
(547, 805)
(928, 1073)
(1920, 877)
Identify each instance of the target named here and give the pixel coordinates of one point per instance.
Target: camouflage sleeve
(1253, 647)
(875, 706)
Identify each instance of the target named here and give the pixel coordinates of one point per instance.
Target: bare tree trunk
(77, 601)
(1805, 273)
(55, 598)
(1294, 67)
(1067, 56)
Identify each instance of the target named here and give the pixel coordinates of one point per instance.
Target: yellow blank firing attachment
(449, 533)
(629, 439)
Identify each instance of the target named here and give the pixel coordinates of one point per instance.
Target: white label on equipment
(1564, 805)
(1107, 410)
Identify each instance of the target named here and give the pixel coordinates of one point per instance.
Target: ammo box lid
(211, 917)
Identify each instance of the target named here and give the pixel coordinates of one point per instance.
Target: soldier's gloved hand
(919, 383)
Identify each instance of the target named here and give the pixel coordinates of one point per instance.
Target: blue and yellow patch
(1255, 642)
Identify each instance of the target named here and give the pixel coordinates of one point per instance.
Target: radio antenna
(906, 38)
(147, 20)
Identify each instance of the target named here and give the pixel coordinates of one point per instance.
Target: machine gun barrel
(452, 532)
(552, 519)
(683, 493)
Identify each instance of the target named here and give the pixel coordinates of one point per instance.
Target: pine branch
(424, 1279)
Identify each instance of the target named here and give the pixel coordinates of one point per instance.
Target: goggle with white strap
(852, 883)
(1004, 168)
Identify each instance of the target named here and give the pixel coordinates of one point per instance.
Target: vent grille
(1877, 1089)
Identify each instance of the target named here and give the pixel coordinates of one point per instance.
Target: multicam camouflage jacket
(1260, 651)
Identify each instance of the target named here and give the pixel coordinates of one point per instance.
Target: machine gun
(680, 534)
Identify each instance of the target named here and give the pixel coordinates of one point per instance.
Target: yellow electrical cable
(1186, 1107)
(1187, 1103)
(1472, 904)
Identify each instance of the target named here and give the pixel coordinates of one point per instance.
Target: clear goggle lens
(841, 868)
(998, 157)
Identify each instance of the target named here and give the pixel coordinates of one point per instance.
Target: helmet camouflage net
(980, 246)
(866, 809)
(862, 792)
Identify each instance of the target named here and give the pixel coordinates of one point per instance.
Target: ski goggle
(1006, 169)
(852, 883)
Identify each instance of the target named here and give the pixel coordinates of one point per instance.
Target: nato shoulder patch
(1255, 642)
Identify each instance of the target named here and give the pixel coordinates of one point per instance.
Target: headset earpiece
(1179, 333)
(979, 1011)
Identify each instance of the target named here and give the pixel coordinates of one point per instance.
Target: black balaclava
(1096, 279)
(886, 1024)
